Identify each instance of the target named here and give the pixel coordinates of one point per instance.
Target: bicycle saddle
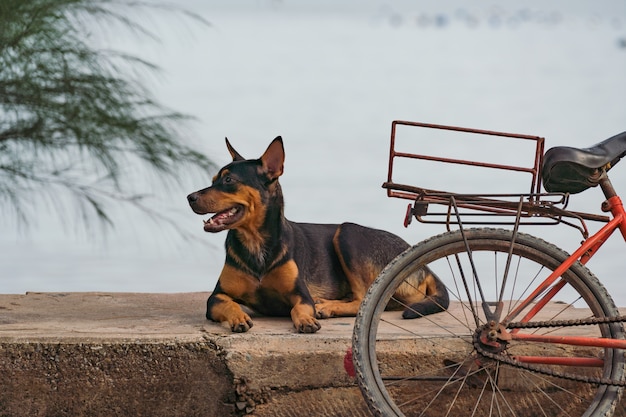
(573, 170)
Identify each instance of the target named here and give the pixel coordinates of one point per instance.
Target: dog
(282, 268)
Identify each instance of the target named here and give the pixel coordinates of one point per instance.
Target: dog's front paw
(324, 309)
(307, 325)
(303, 318)
(240, 324)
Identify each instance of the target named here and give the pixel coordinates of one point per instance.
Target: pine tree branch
(69, 111)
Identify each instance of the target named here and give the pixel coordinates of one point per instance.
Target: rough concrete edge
(300, 363)
(44, 346)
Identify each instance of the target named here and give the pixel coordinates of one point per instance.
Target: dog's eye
(228, 179)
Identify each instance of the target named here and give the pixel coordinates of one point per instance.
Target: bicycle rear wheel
(435, 366)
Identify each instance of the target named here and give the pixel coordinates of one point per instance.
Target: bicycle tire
(396, 370)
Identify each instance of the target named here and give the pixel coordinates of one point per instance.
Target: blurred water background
(330, 76)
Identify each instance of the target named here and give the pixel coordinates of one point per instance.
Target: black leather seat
(571, 170)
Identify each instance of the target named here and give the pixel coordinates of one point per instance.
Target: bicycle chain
(558, 323)
(566, 323)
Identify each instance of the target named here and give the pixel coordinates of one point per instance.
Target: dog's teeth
(205, 221)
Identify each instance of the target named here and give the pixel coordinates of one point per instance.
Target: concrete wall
(94, 354)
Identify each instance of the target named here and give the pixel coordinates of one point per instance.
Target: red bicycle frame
(551, 287)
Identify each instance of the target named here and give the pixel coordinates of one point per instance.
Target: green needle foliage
(75, 120)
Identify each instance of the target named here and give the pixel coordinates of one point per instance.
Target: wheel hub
(493, 337)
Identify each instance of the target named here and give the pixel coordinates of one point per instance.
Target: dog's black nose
(192, 198)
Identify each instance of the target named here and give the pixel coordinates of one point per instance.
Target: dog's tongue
(219, 217)
(218, 220)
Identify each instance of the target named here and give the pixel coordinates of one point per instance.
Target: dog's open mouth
(223, 219)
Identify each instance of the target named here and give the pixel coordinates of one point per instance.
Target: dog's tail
(424, 293)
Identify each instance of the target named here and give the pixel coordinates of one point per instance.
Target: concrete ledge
(118, 354)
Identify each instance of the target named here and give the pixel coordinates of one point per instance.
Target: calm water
(330, 79)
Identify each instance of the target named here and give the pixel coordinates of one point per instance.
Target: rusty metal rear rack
(531, 208)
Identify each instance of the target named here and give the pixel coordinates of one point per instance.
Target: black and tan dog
(281, 268)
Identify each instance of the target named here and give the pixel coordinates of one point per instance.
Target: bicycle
(529, 330)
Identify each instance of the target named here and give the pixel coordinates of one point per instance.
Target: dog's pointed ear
(233, 152)
(274, 158)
